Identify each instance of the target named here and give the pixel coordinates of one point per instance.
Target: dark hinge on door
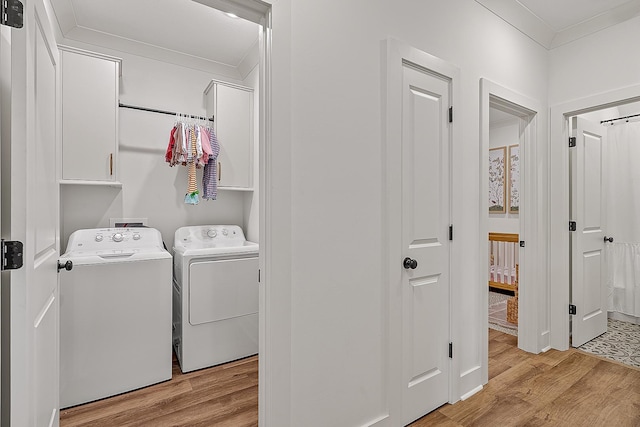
(572, 226)
(450, 114)
(522, 243)
(258, 275)
(451, 232)
(450, 350)
(572, 309)
(572, 141)
(11, 13)
(11, 255)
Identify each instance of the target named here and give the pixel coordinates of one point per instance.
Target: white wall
(329, 351)
(150, 188)
(504, 134)
(598, 63)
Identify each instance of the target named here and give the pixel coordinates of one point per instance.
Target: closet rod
(171, 113)
(620, 118)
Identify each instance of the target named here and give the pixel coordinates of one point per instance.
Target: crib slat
(503, 259)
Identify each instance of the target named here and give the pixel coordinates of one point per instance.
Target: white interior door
(31, 215)
(588, 281)
(425, 224)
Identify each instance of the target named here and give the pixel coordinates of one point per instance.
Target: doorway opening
(243, 206)
(510, 204)
(604, 189)
(562, 294)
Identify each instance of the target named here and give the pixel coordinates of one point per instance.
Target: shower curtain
(623, 218)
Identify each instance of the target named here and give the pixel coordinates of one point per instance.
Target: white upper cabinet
(232, 108)
(90, 88)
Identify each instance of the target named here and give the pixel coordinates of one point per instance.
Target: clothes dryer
(215, 296)
(115, 313)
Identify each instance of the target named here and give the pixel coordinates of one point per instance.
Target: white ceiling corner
(553, 23)
(63, 9)
(178, 31)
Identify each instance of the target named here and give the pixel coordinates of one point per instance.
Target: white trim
(92, 54)
(471, 393)
(252, 10)
(261, 13)
(265, 168)
(530, 337)
(394, 53)
(378, 422)
(558, 212)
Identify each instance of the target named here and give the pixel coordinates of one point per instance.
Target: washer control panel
(116, 236)
(114, 239)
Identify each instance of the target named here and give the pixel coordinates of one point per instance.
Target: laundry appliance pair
(117, 319)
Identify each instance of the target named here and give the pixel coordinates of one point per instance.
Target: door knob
(608, 239)
(409, 263)
(67, 265)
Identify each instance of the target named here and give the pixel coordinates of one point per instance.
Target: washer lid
(114, 256)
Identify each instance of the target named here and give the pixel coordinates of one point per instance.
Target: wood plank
(504, 237)
(555, 388)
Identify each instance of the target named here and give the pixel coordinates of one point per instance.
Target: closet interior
(160, 129)
(117, 89)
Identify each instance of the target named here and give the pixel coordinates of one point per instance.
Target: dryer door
(223, 289)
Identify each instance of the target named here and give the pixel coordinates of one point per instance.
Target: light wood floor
(225, 396)
(555, 388)
(569, 388)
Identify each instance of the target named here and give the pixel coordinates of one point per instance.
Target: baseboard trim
(471, 393)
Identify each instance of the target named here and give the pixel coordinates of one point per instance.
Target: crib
(503, 261)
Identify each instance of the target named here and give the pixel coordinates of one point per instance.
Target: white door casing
(425, 224)
(33, 208)
(588, 281)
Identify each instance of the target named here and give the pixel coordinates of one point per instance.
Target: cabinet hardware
(111, 164)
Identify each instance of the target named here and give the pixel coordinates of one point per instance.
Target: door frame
(394, 53)
(531, 332)
(558, 213)
(270, 304)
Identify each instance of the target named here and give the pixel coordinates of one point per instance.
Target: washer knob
(212, 233)
(99, 237)
(224, 232)
(118, 237)
(136, 236)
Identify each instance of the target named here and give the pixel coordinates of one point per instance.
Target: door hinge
(258, 275)
(522, 243)
(572, 309)
(572, 226)
(451, 232)
(11, 13)
(450, 114)
(450, 350)
(11, 255)
(572, 141)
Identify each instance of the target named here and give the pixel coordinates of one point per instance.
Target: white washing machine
(215, 296)
(115, 313)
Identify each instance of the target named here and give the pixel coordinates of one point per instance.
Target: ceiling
(187, 30)
(181, 28)
(553, 23)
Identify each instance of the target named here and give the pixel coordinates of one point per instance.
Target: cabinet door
(234, 128)
(89, 117)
